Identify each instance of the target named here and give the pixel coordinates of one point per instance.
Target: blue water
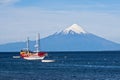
(67, 66)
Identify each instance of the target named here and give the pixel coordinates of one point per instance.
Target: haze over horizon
(22, 18)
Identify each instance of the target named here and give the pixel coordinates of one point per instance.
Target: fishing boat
(29, 55)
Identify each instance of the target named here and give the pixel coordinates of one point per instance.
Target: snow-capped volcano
(73, 38)
(74, 29)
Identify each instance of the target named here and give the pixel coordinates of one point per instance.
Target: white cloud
(8, 2)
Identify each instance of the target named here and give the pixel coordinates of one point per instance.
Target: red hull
(42, 54)
(27, 54)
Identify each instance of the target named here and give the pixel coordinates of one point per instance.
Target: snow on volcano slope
(74, 28)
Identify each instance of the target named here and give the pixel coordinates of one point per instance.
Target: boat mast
(38, 42)
(27, 44)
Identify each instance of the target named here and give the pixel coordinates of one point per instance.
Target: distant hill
(73, 38)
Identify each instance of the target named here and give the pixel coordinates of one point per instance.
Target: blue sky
(22, 18)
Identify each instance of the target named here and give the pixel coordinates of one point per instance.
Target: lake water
(67, 66)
